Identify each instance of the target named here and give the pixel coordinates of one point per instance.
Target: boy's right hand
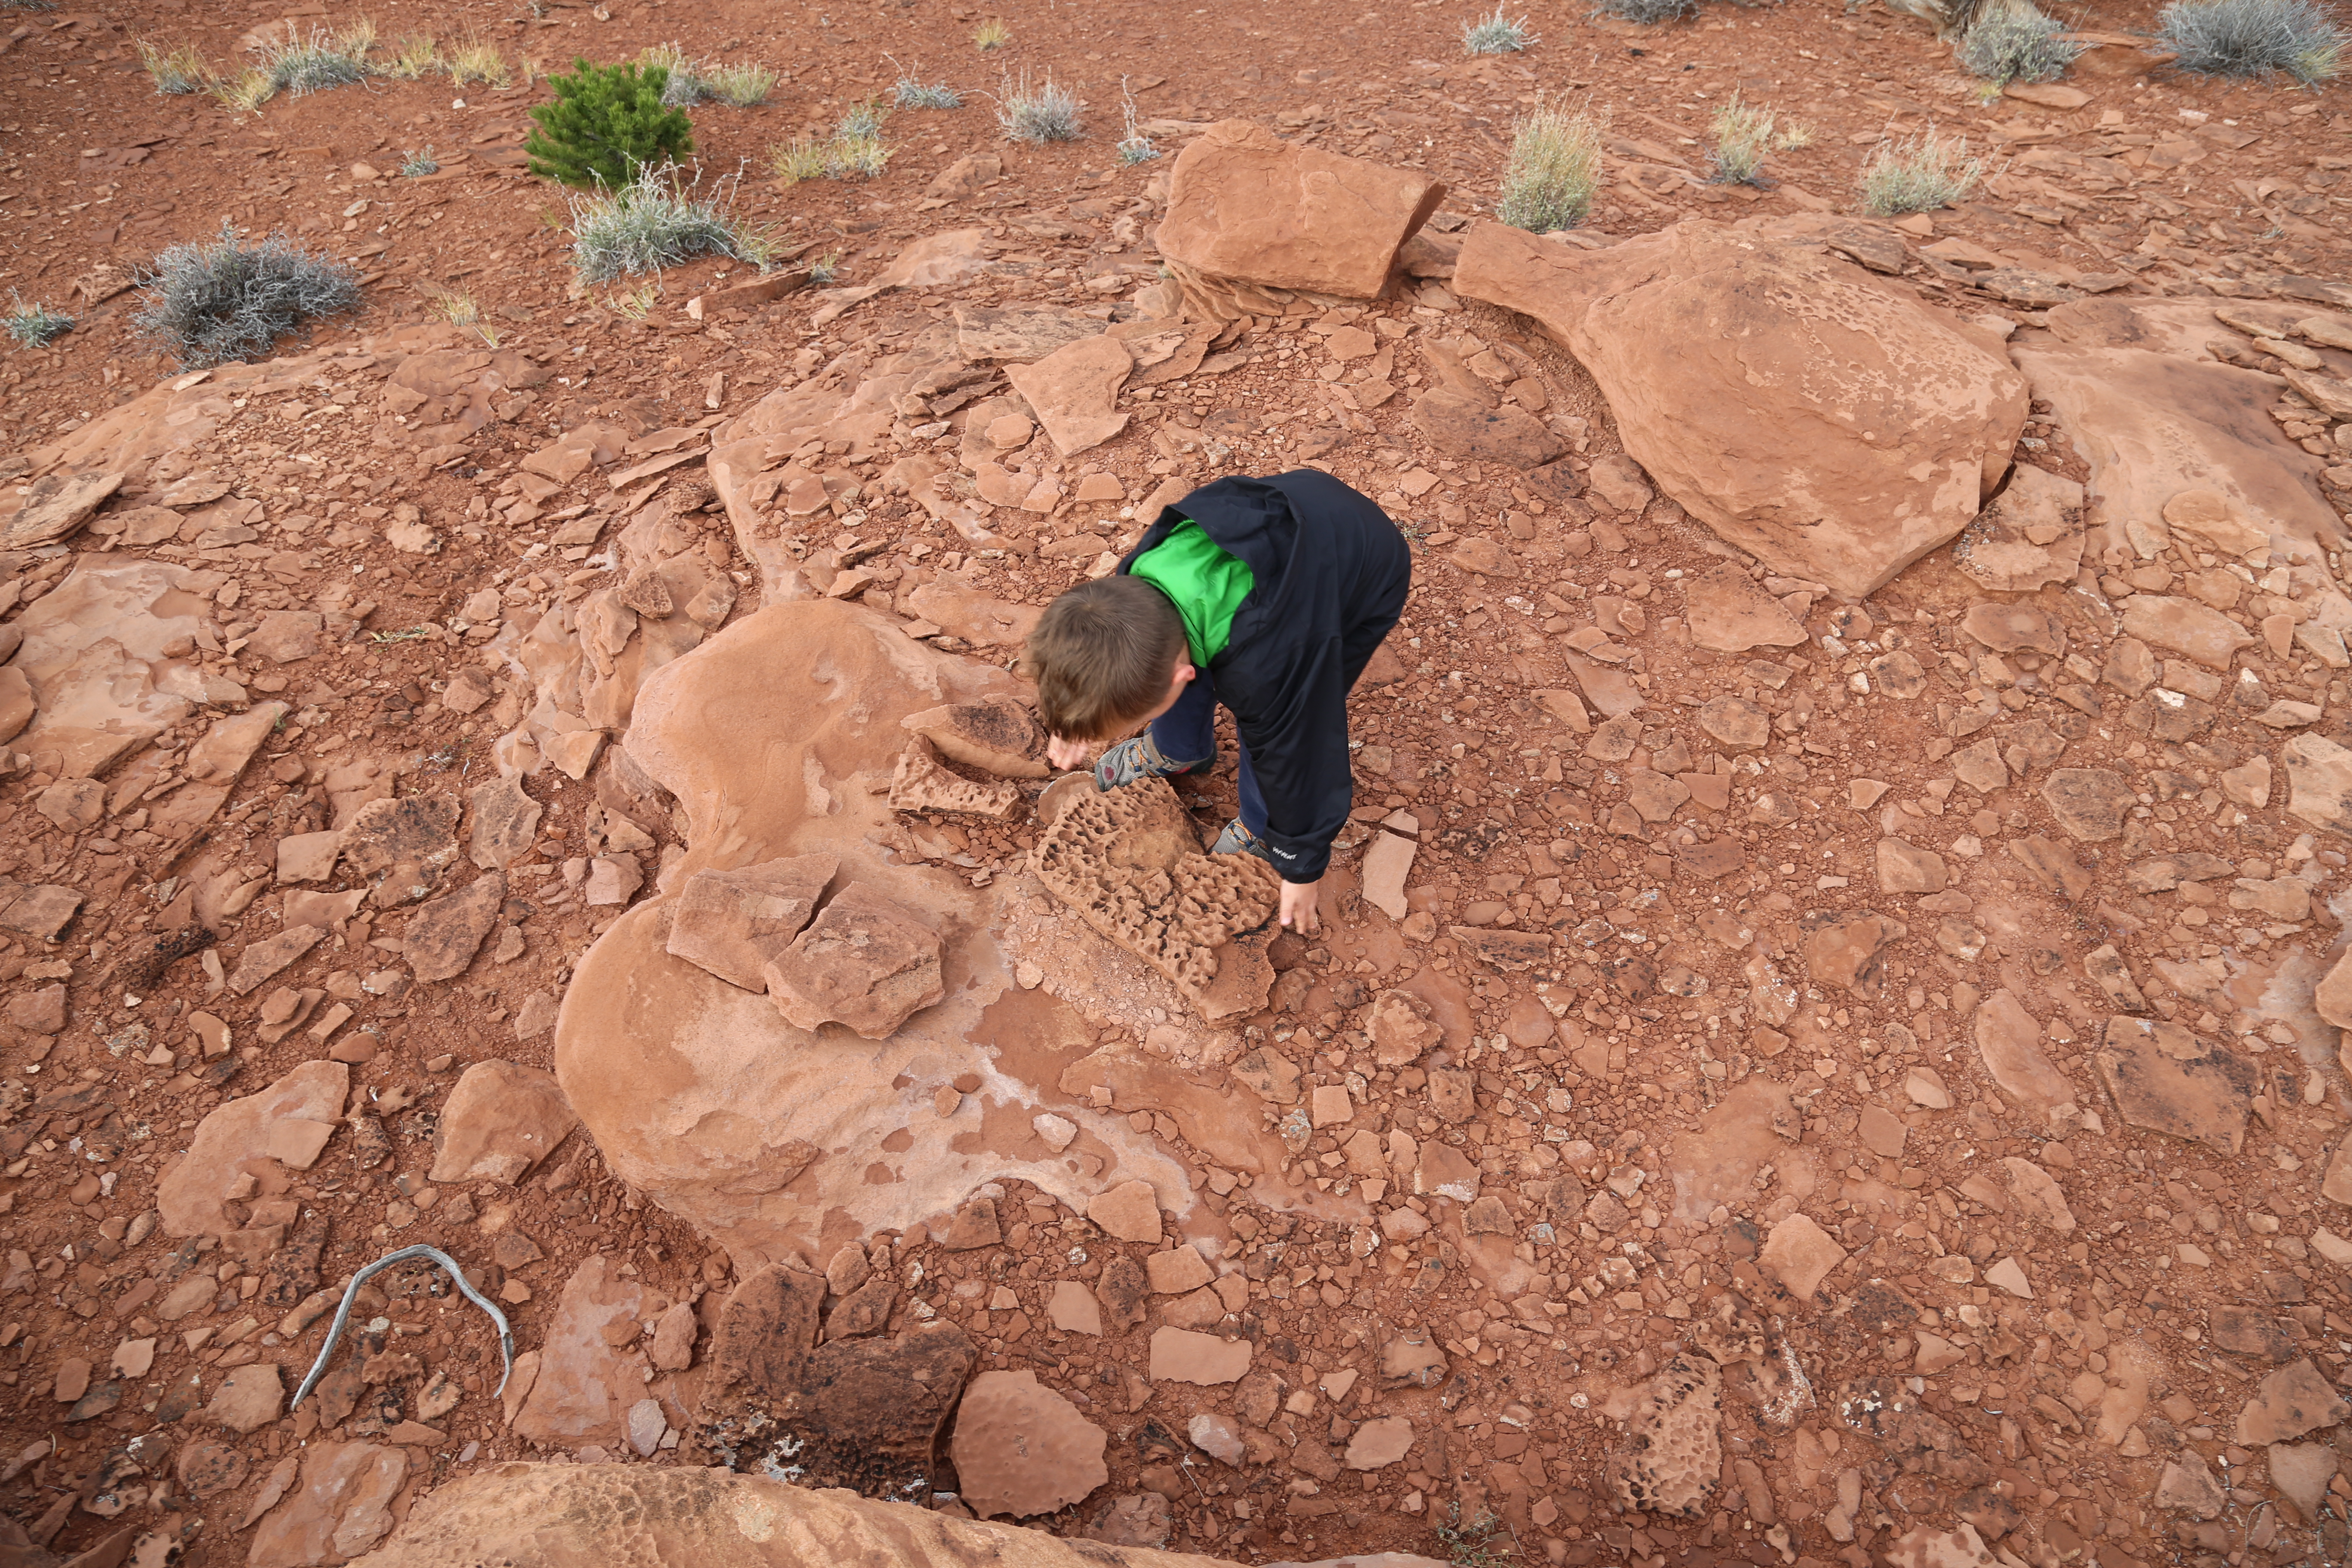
(1067, 754)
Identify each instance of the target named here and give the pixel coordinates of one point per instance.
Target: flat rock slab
(2319, 775)
(55, 508)
(1183, 1356)
(1670, 1459)
(867, 1410)
(1021, 1449)
(2166, 1080)
(2029, 535)
(443, 935)
(2009, 1042)
(1018, 334)
(1728, 613)
(1464, 428)
(2295, 1399)
(1708, 341)
(499, 1121)
(2185, 627)
(865, 963)
(734, 923)
(1075, 391)
(2090, 804)
(36, 910)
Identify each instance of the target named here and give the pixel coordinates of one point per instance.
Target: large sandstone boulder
(1816, 415)
(567, 1516)
(1245, 205)
(778, 736)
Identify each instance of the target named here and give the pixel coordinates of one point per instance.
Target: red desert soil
(1775, 1114)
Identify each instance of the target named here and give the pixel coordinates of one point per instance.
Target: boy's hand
(1299, 906)
(1067, 754)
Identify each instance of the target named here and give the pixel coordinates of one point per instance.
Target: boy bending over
(1268, 595)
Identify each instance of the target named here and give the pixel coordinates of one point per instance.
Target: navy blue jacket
(1331, 572)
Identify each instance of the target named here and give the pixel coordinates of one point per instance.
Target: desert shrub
(738, 86)
(991, 34)
(1495, 35)
(2254, 38)
(913, 92)
(211, 302)
(416, 164)
(245, 92)
(1918, 174)
(1650, 12)
(2015, 42)
(477, 60)
(1039, 114)
(653, 221)
(1553, 167)
(1743, 134)
(834, 157)
(606, 126)
(173, 71)
(825, 268)
(1134, 147)
(861, 121)
(414, 56)
(295, 64)
(36, 325)
(682, 84)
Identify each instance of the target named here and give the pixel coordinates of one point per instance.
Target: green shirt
(1205, 584)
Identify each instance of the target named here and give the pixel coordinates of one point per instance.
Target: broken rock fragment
(734, 923)
(2164, 1079)
(443, 935)
(921, 783)
(1671, 1457)
(865, 962)
(997, 734)
(1021, 1449)
(501, 1121)
(191, 1193)
(1128, 862)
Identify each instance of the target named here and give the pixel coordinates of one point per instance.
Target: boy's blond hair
(1102, 655)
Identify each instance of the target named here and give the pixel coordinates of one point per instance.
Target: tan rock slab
(2185, 627)
(1905, 868)
(2091, 804)
(1129, 1211)
(1379, 1443)
(2029, 535)
(2009, 1042)
(1716, 426)
(2164, 1077)
(249, 1398)
(1073, 1309)
(1670, 1459)
(191, 1192)
(1388, 861)
(1075, 391)
(2295, 1399)
(1177, 1270)
(1021, 1449)
(341, 1508)
(2319, 779)
(1182, 1355)
(501, 1121)
(1799, 1254)
(734, 923)
(865, 962)
(1729, 613)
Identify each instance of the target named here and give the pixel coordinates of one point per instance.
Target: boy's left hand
(1067, 754)
(1298, 907)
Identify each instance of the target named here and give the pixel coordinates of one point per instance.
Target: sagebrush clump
(2254, 38)
(208, 303)
(913, 92)
(991, 34)
(1650, 12)
(36, 325)
(1918, 174)
(298, 65)
(1495, 35)
(654, 221)
(1552, 170)
(2015, 42)
(417, 164)
(607, 126)
(1039, 114)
